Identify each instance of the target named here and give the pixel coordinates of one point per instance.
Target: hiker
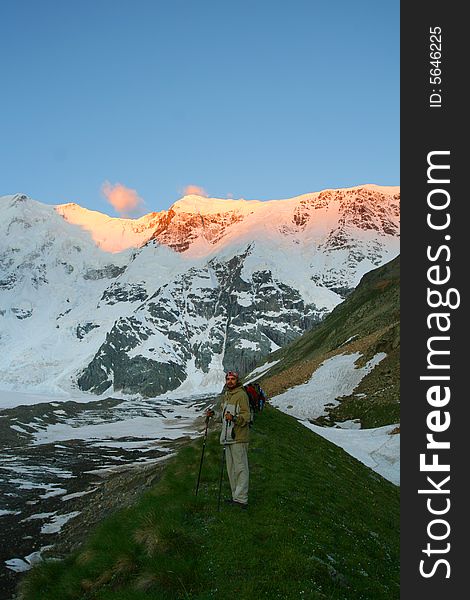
(256, 397)
(234, 437)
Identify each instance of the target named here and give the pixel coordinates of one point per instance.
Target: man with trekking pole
(234, 437)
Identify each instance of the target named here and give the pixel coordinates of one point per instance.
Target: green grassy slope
(319, 525)
(368, 321)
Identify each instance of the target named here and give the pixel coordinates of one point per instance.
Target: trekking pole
(222, 467)
(202, 455)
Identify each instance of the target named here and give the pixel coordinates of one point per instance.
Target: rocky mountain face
(207, 312)
(168, 301)
(366, 324)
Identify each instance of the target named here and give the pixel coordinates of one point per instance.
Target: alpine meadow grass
(320, 525)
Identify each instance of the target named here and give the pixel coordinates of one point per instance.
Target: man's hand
(229, 416)
(209, 413)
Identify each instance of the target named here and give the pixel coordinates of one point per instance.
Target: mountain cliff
(168, 301)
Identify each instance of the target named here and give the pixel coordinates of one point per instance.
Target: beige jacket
(236, 402)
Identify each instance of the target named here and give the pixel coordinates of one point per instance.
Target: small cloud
(125, 201)
(230, 196)
(195, 189)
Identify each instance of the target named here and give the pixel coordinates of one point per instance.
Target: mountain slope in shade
(355, 350)
(168, 301)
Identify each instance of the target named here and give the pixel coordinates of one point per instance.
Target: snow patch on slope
(338, 376)
(376, 448)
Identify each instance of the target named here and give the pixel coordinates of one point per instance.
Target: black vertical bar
(433, 119)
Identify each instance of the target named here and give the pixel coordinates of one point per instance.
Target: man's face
(231, 381)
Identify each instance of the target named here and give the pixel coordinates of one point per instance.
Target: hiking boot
(235, 503)
(240, 504)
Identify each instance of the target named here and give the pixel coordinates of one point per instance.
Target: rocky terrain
(67, 465)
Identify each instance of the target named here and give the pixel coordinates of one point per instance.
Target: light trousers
(236, 456)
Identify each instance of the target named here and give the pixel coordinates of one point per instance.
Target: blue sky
(260, 99)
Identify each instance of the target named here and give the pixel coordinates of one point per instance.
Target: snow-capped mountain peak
(194, 204)
(112, 234)
(172, 298)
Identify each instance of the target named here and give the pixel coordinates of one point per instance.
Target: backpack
(256, 397)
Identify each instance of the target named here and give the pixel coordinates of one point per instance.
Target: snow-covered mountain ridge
(167, 301)
(210, 219)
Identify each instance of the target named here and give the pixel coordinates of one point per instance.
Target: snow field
(336, 377)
